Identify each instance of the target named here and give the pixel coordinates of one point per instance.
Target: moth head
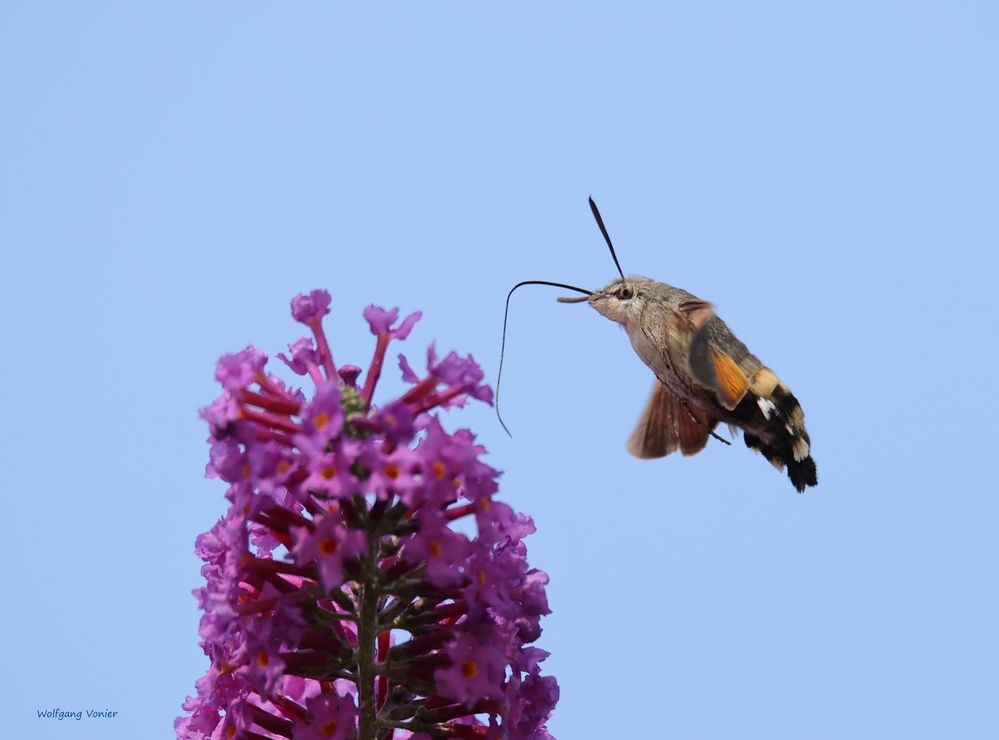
(622, 300)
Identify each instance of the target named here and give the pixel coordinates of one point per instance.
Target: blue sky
(826, 174)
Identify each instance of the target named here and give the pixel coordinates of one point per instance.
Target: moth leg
(702, 424)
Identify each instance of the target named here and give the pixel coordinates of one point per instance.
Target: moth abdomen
(802, 472)
(778, 429)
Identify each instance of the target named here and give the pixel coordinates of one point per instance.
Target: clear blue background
(827, 175)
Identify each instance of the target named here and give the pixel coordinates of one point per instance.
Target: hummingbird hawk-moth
(704, 374)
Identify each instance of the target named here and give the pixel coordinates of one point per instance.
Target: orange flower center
(328, 546)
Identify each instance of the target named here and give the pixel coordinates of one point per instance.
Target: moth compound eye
(624, 293)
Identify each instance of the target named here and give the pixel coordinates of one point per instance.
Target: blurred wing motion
(669, 424)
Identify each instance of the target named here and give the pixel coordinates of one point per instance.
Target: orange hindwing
(732, 383)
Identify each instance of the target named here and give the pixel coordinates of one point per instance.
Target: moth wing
(715, 368)
(656, 434)
(695, 426)
(732, 382)
(698, 312)
(667, 425)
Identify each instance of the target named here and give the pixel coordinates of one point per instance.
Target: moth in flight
(704, 374)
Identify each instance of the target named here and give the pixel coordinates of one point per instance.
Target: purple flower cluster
(341, 603)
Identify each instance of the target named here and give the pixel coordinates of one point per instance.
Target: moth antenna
(603, 230)
(506, 314)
